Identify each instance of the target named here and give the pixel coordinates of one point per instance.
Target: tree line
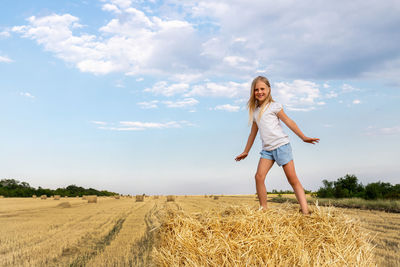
(14, 188)
(349, 187)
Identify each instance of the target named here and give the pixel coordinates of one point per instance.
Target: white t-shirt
(270, 128)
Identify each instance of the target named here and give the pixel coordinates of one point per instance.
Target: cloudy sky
(150, 96)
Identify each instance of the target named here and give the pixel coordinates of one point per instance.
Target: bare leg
(264, 165)
(297, 187)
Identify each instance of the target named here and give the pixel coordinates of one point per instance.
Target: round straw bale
(216, 197)
(92, 199)
(117, 196)
(170, 198)
(84, 197)
(43, 197)
(240, 236)
(1, 196)
(57, 197)
(64, 205)
(34, 196)
(139, 198)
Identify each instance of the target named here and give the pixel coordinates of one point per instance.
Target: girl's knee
(260, 177)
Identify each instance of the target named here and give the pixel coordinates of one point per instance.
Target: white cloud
(374, 131)
(99, 122)
(356, 101)
(149, 104)
(205, 38)
(140, 126)
(346, 88)
(119, 84)
(331, 94)
(224, 89)
(5, 59)
(26, 94)
(132, 42)
(187, 102)
(298, 95)
(162, 88)
(227, 107)
(5, 34)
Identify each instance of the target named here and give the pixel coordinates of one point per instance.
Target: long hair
(252, 104)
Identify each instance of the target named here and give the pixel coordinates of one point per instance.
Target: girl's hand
(311, 140)
(241, 156)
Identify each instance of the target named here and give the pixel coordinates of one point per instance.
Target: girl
(265, 114)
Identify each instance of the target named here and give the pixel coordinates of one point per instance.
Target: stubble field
(119, 232)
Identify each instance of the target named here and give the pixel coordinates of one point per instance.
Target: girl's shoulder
(275, 107)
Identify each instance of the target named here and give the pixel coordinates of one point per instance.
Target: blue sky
(149, 96)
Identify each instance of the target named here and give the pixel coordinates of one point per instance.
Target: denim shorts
(282, 155)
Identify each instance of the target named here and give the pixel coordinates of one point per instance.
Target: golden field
(119, 232)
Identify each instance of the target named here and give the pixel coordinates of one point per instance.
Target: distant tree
(378, 190)
(348, 186)
(327, 191)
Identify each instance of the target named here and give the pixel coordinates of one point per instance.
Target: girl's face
(261, 91)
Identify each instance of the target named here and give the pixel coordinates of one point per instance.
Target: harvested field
(125, 233)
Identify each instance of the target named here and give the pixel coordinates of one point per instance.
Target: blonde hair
(252, 104)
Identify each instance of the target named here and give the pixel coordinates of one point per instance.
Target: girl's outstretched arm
(293, 126)
(250, 141)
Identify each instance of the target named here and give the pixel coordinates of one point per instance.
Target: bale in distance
(241, 236)
(216, 197)
(34, 196)
(139, 198)
(92, 199)
(1, 196)
(43, 197)
(170, 198)
(117, 196)
(57, 197)
(84, 197)
(64, 205)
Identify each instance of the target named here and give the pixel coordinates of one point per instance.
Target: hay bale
(64, 205)
(117, 196)
(216, 197)
(1, 196)
(170, 198)
(139, 198)
(84, 197)
(34, 196)
(92, 199)
(43, 197)
(57, 197)
(240, 236)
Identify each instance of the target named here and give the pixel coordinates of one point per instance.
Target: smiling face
(261, 91)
